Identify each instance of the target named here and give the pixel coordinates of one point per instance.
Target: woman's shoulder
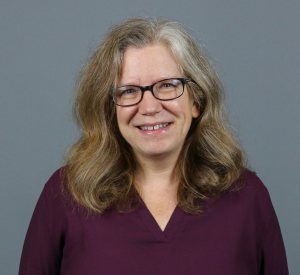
(54, 185)
(249, 192)
(55, 195)
(252, 185)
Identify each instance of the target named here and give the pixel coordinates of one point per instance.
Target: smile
(152, 128)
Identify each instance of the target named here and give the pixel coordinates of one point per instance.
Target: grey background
(44, 43)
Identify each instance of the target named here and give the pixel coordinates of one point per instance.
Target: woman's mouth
(153, 127)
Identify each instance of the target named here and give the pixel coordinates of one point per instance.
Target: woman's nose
(149, 104)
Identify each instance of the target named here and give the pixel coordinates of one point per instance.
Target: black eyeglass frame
(150, 88)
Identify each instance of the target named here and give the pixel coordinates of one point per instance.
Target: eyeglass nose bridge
(147, 88)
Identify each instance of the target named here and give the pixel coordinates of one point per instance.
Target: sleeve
(43, 245)
(273, 259)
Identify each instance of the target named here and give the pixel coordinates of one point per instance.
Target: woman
(157, 183)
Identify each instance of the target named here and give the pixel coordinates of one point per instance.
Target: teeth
(156, 127)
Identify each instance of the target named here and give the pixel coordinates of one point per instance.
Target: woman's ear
(195, 111)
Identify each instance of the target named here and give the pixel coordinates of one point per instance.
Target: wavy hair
(100, 167)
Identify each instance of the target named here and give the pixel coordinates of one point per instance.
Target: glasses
(166, 89)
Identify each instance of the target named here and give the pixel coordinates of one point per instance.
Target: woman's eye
(128, 92)
(168, 85)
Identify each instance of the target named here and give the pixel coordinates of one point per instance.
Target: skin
(156, 151)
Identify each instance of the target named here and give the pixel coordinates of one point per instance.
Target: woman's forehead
(148, 64)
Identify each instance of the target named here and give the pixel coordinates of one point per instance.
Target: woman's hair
(100, 166)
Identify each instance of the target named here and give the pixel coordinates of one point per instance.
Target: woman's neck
(156, 176)
(157, 185)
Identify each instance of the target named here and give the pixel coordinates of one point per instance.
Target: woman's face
(143, 67)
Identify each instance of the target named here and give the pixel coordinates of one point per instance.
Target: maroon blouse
(237, 234)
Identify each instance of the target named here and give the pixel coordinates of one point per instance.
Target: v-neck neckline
(171, 228)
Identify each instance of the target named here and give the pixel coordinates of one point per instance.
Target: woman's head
(104, 70)
(101, 164)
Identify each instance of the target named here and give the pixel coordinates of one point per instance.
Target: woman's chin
(157, 152)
